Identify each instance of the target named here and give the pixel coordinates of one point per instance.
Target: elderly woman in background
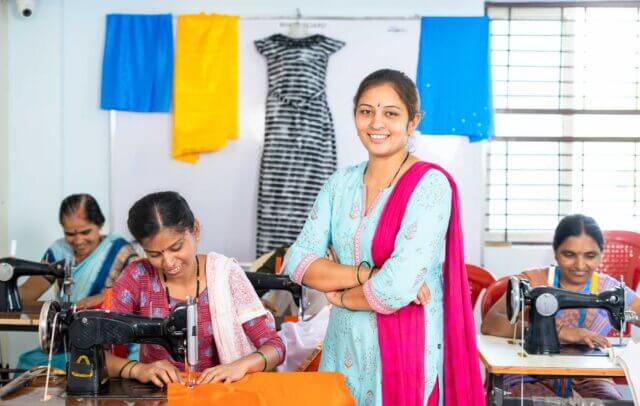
(99, 259)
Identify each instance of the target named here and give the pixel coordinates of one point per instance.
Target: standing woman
(99, 260)
(236, 334)
(388, 219)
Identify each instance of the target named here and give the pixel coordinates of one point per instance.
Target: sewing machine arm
(13, 268)
(94, 327)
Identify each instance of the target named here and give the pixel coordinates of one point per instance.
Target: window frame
(504, 235)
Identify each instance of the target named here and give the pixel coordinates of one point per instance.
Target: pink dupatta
(401, 335)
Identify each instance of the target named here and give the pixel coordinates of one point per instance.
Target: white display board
(222, 187)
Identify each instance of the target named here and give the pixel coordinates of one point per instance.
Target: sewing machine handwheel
(45, 327)
(514, 299)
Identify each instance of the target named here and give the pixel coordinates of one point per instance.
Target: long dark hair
(81, 201)
(573, 226)
(158, 210)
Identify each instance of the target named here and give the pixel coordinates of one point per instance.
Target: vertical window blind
(567, 112)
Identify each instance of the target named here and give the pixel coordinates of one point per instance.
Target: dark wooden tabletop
(33, 394)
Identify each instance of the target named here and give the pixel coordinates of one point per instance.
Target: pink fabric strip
(298, 274)
(401, 335)
(375, 303)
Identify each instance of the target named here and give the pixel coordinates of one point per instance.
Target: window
(567, 113)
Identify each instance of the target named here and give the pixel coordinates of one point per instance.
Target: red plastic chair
(493, 294)
(621, 258)
(479, 279)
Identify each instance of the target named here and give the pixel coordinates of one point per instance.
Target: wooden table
(32, 395)
(501, 356)
(25, 321)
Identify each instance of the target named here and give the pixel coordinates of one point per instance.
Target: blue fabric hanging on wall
(137, 68)
(454, 77)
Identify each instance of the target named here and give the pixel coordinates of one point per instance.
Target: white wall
(58, 139)
(4, 136)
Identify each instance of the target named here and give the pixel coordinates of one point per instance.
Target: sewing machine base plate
(581, 349)
(126, 389)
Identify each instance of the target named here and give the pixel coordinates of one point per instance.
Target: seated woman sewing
(99, 259)
(577, 244)
(236, 334)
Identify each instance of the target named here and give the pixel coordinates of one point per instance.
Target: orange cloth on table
(267, 389)
(205, 101)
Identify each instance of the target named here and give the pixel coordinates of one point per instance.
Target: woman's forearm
(254, 362)
(114, 364)
(327, 276)
(354, 299)
(33, 288)
(496, 324)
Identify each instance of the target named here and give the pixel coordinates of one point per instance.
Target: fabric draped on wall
(299, 146)
(206, 85)
(454, 77)
(137, 67)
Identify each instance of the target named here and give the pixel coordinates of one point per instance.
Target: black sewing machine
(86, 333)
(263, 282)
(12, 268)
(544, 302)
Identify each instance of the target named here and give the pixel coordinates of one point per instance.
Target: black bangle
(124, 366)
(131, 369)
(342, 300)
(358, 271)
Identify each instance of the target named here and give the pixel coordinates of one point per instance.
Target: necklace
(394, 176)
(166, 287)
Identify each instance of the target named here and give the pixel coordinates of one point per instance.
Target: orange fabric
(106, 302)
(289, 318)
(267, 389)
(315, 363)
(278, 264)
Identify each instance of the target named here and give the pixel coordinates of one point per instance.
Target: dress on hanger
(299, 151)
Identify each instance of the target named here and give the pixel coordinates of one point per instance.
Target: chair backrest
(479, 279)
(493, 294)
(621, 256)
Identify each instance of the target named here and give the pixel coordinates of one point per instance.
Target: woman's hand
(424, 295)
(572, 335)
(224, 373)
(90, 301)
(160, 373)
(334, 297)
(269, 306)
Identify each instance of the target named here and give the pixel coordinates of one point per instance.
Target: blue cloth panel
(137, 68)
(454, 77)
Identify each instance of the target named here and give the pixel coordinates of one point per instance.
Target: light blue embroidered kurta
(338, 219)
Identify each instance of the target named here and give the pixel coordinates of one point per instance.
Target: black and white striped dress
(299, 144)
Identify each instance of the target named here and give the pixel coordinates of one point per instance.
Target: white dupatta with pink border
(232, 302)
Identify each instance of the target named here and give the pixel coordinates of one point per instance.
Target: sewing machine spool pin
(191, 340)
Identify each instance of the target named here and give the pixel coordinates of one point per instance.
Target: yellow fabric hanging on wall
(205, 101)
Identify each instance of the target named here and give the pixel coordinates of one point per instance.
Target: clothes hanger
(298, 29)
